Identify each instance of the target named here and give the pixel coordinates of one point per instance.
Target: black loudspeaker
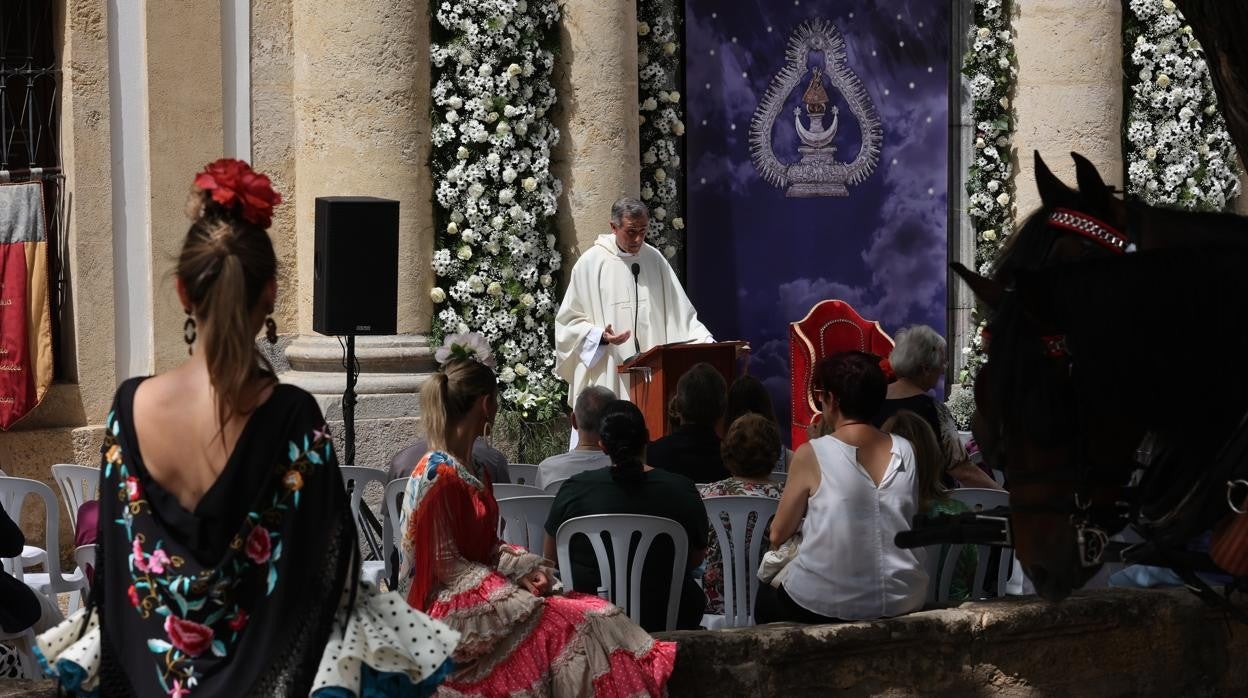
(356, 280)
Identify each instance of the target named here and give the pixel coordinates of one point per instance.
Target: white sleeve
(592, 349)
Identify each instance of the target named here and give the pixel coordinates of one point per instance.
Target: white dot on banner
(714, 15)
(708, 85)
(901, 44)
(920, 24)
(931, 191)
(768, 30)
(732, 127)
(912, 86)
(712, 52)
(745, 75)
(734, 39)
(872, 52)
(898, 18)
(929, 68)
(886, 92)
(929, 119)
(704, 121)
(704, 180)
(894, 161)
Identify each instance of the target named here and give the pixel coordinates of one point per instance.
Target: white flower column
(360, 76)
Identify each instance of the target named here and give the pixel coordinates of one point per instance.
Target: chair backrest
(621, 573)
(13, 492)
(779, 477)
(84, 557)
(504, 490)
(741, 557)
(78, 484)
(940, 577)
(831, 326)
(522, 474)
(523, 520)
(357, 478)
(393, 510)
(553, 488)
(980, 499)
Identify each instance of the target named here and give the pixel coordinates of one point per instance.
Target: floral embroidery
(201, 615)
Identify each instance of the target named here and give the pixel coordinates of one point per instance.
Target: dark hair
(748, 395)
(624, 436)
(751, 447)
(589, 406)
(855, 380)
(701, 396)
(927, 453)
(225, 263)
(448, 394)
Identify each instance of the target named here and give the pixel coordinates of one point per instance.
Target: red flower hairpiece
(889, 374)
(236, 187)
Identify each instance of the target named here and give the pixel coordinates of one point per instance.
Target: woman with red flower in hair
(228, 560)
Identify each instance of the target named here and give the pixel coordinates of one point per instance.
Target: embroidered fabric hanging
(25, 309)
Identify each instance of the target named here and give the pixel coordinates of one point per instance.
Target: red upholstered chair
(831, 326)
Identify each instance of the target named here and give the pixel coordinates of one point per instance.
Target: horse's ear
(1092, 186)
(1053, 192)
(987, 290)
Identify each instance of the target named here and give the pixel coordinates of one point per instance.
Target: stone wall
(1104, 643)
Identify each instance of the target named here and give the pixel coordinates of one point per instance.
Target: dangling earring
(270, 330)
(188, 332)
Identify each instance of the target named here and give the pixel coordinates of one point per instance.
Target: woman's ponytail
(433, 410)
(622, 429)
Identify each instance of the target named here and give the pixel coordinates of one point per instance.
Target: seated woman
(227, 559)
(20, 606)
(631, 487)
(748, 395)
(748, 449)
(692, 447)
(918, 359)
(518, 636)
(933, 496)
(857, 488)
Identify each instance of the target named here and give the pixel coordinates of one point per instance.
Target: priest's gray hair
(919, 350)
(628, 207)
(589, 406)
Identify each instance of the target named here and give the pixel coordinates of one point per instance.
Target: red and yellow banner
(25, 311)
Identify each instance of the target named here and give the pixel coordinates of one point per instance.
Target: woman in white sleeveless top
(856, 487)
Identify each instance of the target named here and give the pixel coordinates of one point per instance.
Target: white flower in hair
(466, 345)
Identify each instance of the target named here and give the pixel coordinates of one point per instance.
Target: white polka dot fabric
(387, 635)
(62, 643)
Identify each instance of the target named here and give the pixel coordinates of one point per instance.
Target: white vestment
(601, 293)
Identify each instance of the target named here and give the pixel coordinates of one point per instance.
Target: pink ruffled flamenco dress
(512, 642)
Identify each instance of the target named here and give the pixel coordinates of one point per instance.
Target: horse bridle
(1093, 522)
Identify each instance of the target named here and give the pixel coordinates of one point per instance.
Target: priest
(623, 299)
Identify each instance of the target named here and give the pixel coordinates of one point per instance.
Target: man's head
(701, 396)
(630, 219)
(587, 413)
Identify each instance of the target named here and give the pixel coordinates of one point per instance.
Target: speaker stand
(348, 403)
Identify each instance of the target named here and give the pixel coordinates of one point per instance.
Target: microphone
(636, 268)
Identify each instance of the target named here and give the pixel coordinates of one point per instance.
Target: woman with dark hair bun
(630, 486)
(227, 559)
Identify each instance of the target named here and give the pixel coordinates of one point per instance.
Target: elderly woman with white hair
(918, 360)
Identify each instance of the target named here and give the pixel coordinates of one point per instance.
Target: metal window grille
(30, 81)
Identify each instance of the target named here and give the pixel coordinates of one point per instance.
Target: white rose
(994, 185)
(678, 223)
(455, 103)
(1003, 199)
(660, 175)
(1151, 153)
(451, 228)
(529, 184)
(660, 213)
(649, 157)
(1004, 102)
(674, 96)
(521, 128)
(527, 300)
(457, 216)
(494, 289)
(513, 70)
(546, 281)
(1004, 63)
(492, 247)
(678, 128)
(643, 28)
(505, 196)
(1168, 6)
(983, 33)
(522, 370)
(649, 104)
(502, 129)
(1163, 80)
(475, 190)
(509, 175)
(647, 193)
(507, 375)
(669, 251)
(465, 57)
(485, 70)
(452, 116)
(462, 153)
(979, 143)
(497, 222)
(669, 48)
(989, 235)
(437, 295)
(464, 253)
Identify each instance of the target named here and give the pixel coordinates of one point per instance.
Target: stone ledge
(1102, 643)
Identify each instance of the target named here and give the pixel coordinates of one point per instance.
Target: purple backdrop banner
(776, 227)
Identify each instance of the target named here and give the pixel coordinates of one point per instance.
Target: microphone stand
(636, 269)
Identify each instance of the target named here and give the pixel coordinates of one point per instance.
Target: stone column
(361, 105)
(184, 133)
(1069, 90)
(598, 158)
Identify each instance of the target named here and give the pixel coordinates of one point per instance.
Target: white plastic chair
(621, 575)
(522, 474)
(779, 477)
(390, 526)
(78, 484)
(357, 478)
(981, 499)
(84, 556)
(51, 583)
(23, 644)
(740, 563)
(504, 491)
(32, 555)
(553, 488)
(523, 520)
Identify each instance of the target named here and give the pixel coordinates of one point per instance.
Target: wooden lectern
(654, 374)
